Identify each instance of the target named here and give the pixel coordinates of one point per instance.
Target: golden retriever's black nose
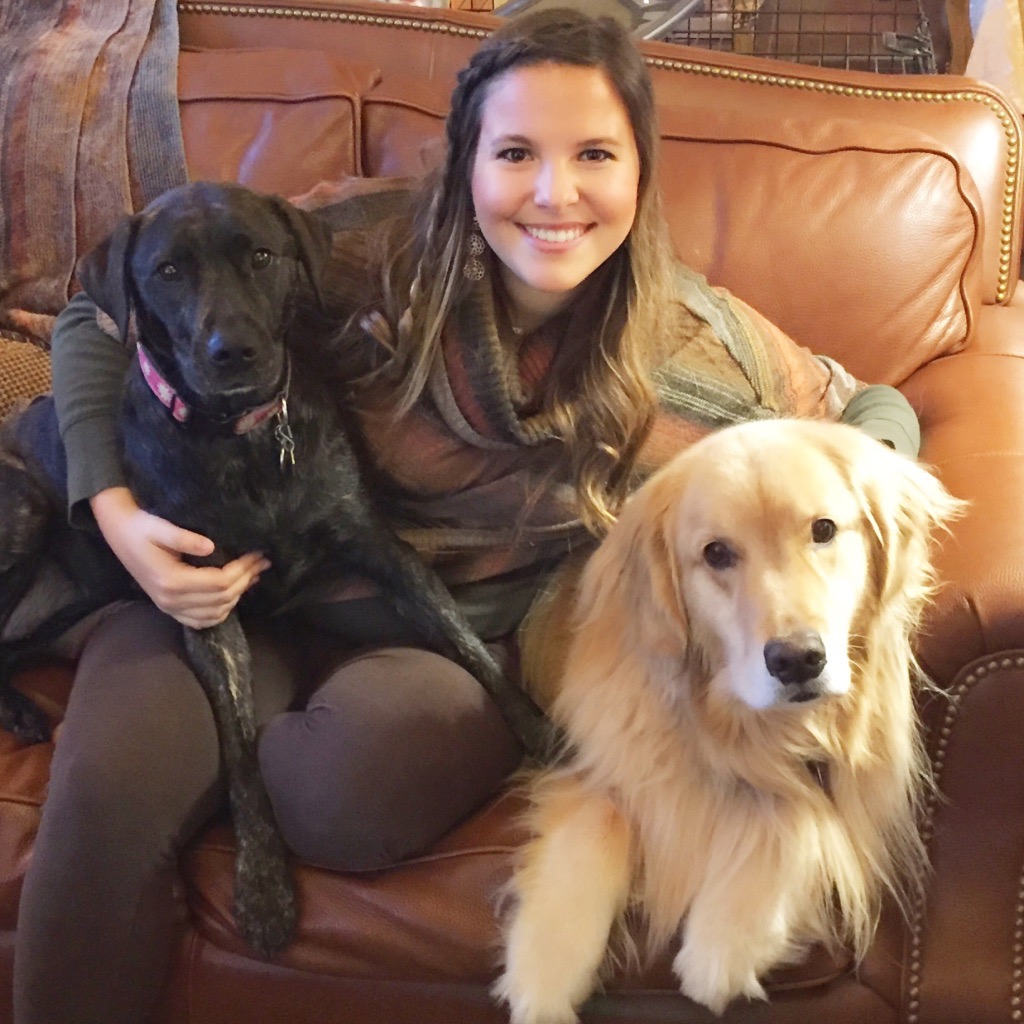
(797, 658)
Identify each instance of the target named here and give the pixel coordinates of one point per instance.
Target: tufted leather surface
(255, 102)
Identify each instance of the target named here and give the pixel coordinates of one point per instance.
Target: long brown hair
(601, 404)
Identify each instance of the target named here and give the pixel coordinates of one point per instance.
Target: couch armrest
(972, 418)
(962, 956)
(959, 958)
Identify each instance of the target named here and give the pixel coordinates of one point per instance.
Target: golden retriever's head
(761, 557)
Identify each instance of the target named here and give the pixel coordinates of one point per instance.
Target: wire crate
(889, 36)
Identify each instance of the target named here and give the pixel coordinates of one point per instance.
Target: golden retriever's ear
(633, 583)
(906, 506)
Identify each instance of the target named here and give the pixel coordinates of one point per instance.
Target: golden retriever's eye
(167, 272)
(261, 258)
(823, 531)
(719, 555)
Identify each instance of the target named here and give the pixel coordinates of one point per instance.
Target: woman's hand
(152, 550)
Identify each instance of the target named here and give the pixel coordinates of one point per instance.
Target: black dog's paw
(265, 909)
(22, 716)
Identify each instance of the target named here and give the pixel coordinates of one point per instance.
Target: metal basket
(890, 36)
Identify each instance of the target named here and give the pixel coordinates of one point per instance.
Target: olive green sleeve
(884, 414)
(89, 367)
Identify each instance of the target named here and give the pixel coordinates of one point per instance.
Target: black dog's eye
(823, 531)
(261, 258)
(167, 272)
(720, 555)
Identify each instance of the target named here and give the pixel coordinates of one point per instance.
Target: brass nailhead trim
(955, 703)
(1017, 982)
(309, 14)
(689, 67)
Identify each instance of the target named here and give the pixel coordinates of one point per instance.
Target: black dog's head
(211, 273)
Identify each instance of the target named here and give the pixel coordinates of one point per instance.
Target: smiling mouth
(555, 235)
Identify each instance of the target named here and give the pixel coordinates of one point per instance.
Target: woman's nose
(555, 185)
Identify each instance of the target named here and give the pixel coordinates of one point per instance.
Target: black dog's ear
(312, 238)
(105, 274)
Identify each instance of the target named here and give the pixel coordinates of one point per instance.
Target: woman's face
(554, 182)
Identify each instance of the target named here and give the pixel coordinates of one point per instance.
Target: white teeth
(549, 235)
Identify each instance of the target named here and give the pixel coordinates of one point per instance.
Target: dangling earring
(473, 268)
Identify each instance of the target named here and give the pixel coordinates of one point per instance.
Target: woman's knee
(392, 751)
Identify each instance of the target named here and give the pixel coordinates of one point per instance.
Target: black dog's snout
(229, 353)
(797, 658)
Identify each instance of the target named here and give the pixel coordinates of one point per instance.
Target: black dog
(229, 428)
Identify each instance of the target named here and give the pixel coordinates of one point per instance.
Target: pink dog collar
(180, 410)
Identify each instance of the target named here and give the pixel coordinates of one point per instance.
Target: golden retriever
(743, 764)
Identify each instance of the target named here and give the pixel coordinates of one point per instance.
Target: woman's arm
(741, 366)
(89, 366)
(152, 550)
(884, 414)
(88, 374)
(828, 388)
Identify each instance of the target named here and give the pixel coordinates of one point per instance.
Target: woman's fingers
(154, 551)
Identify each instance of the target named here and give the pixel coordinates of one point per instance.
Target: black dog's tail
(36, 536)
(15, 584)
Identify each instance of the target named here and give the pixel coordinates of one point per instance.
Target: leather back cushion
(275, 120)
(864, 249)
(403, 126)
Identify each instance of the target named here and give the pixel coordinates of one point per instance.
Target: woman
(529, 352)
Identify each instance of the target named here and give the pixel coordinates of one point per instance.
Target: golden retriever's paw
(532, 1005)
(712, 981)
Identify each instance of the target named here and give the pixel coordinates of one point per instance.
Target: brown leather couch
(875, 219)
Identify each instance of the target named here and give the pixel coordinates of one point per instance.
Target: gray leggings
(393, 747)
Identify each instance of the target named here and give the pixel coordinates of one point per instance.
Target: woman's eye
(596, 155)
(261, 258)
(513, 154)
(823, 531)
(720, 555)
(167, 272)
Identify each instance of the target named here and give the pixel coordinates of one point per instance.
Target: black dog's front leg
(264, 895)
(422, 599)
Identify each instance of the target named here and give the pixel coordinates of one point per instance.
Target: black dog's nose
(227, 352)
(796, 658)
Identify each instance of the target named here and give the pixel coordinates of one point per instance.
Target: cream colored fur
(693, 788)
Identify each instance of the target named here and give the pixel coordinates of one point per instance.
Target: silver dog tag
(284, 438)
